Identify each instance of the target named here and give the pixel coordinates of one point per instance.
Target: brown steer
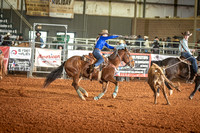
(157, 79)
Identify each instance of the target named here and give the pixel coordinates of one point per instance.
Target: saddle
(184, 60)
(91, 59)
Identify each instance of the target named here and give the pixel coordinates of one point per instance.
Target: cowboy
(122, 45)
(101, 42)
(40, 40)
(185, 52)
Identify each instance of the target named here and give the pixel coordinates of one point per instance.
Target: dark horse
(77, 68)
(178, 69)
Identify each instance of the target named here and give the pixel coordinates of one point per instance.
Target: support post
(175, 7)
(135, 18)
(84, 19)
(1, 6)
(195, 21)
(144, 9)
(20, 23)
(109, 17)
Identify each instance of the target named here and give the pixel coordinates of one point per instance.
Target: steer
(157, 79)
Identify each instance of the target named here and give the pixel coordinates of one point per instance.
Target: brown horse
(76, 68)
(2, 67)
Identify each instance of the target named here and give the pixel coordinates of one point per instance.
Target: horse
(2, 67)
(178, 68)
(76, 68)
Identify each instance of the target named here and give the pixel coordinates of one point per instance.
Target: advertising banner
(20, 59)
(37, 7)
(5, 51)
(61, 9)
(47, 57)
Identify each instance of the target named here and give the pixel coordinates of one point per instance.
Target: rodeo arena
(92, 66)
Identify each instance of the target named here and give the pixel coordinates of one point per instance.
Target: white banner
(48, 57)
(158, 57)
(20, 53)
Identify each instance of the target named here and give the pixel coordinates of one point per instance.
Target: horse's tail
(53, 75)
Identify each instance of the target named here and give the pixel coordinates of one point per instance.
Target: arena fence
(43, 60)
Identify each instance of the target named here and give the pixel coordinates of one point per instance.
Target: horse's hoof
(114, 95)
(190, 97)
(96, 98)
(83, 98)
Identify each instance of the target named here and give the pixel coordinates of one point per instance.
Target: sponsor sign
(5, 51)
(61, 9)
(47, 57)
(20, 59)
(37, 7)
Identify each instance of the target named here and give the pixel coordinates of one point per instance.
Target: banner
(20, 59)
(142, 65)
(47, 57)
(5, 51)
(37, 7)
(61, 9)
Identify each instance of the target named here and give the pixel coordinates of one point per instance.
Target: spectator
(40, 40)
(139, 41)
(168, 44)
(176, 42)
(156, 46)
(19, 39)
(146, 44)
(6, 40)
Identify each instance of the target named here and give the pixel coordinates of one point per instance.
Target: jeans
(191, 59)
(97, 55)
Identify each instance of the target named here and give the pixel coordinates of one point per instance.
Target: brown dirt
(26, 107)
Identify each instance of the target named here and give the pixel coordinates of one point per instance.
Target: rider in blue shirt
(185, 52)
(101, 42)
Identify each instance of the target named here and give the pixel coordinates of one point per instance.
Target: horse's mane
(114, 54)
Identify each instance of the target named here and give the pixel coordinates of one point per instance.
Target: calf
(157, 79)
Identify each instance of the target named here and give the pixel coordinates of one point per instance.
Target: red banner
(5, 51)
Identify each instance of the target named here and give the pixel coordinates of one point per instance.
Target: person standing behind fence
(6, 40)
(146, 44)
(19, 40)
(185, 52)
(40, 40)
(156, 46)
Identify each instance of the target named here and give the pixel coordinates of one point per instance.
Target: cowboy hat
(146, 37)
(187, 33)
(104, 32)
(122, 41)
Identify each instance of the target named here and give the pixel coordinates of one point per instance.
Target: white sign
(20, 53)
(48, 57)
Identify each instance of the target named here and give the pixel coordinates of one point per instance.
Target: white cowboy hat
(146, 37)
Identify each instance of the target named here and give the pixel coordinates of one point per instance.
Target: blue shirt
(101, 42)
(183, 46)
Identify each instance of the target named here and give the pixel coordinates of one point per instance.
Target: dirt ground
(26, 107)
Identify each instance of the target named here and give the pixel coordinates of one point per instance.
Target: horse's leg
(197, 87)
(76, 80)
(111, 79)
(104, 91)
(81, 89)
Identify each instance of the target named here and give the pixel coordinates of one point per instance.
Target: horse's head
(127, 58)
